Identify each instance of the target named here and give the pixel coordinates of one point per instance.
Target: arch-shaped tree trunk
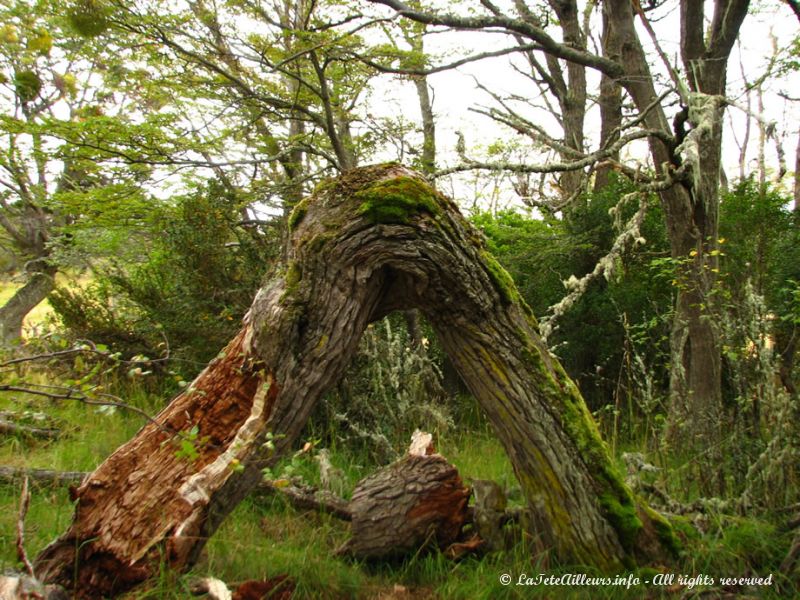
(373, 241)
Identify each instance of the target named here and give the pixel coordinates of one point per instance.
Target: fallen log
(304, 497)
(373, 241)
(42, 476)
(10, 428)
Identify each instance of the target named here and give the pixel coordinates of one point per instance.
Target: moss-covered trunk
(376, 240)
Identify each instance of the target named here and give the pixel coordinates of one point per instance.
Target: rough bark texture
(24, 300)
(414, 502)
(610, 104)
(691, 208)
(376, 240)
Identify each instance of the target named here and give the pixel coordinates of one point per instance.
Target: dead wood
(24, 503)
(304, 497)
(415, 502)
(376, 240)
(42, 476)
(300, 496)
(9, 427)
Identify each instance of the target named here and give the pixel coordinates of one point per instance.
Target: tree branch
(511, 25)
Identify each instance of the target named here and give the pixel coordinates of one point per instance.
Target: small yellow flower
(693, 253)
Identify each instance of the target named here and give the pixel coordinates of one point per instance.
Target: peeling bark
(376, 240)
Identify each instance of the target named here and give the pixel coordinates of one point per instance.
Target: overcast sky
(455, 92)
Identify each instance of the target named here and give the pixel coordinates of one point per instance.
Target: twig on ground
(24, 503)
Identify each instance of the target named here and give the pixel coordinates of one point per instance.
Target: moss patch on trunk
(396, 200)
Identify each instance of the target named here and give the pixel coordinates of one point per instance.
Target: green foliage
(89, 18)
(27, 84)
(541, 253)
(391, 389)
(188, 284)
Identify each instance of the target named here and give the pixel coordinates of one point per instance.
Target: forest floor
(266, 537)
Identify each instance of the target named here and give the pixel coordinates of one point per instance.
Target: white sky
(455, 92)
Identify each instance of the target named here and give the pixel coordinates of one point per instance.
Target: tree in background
(686, 172)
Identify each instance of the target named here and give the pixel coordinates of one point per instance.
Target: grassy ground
(265, 537)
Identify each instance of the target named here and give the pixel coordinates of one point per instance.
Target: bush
(188, 290)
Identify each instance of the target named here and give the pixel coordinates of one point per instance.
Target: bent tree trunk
(376, 240)
(24, 300)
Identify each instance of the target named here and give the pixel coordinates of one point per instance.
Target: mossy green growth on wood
(396, 200)
(297, 214)
(615, 498)
(291, 280)
(500, 278)
(664, 531)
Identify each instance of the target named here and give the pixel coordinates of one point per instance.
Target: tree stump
(489, 513)
(415, 502)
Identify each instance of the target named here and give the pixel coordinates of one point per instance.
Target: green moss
(616, 500)
(396, 200)
(317, 243)
(297, 214)
(623, 518)
(664, 531)
(325, 185)
(684, 527)
(294, 274)
(500, 278)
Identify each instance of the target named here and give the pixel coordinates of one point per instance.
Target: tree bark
(610, 104)
(414, 502)
(375, 240)
(691, 210)
(24, 300)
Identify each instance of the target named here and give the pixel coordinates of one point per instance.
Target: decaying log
(299, 496)
(43, 476)
(24, 587)
(373, 241)
(309, 498)
(417, 501)
(276, 588)
(213, 588)
(489, 513)
(10, 428)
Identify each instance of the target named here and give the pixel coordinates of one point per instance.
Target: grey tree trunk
(691, 210)
(376, 240)
(24, 300)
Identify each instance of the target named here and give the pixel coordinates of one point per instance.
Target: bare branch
(447, 67)
(588, 160)
(510, 25)
(24, 503)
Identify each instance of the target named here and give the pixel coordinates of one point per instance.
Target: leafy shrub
(392, 388)
(188, 290)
